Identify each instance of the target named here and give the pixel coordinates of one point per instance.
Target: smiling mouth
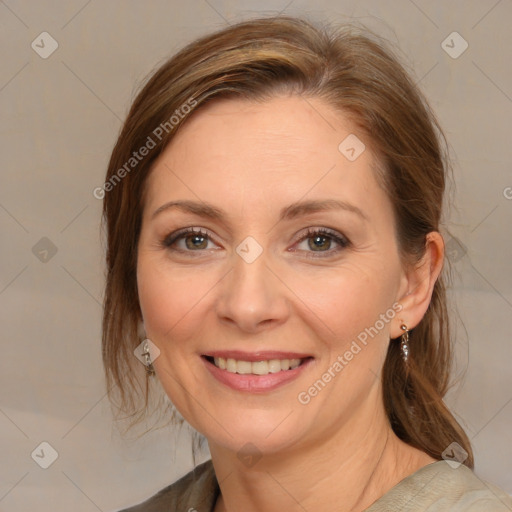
(263, 367)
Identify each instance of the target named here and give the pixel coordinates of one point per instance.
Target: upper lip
(261, 355)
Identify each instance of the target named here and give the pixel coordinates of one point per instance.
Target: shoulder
(194, 492)
(443, 487)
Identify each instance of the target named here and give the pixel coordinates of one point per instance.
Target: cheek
(344, 301)
(169, 296)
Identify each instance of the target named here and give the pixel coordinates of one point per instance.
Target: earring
(404, 344)
(147, 357)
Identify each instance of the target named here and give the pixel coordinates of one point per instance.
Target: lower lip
(255, 383)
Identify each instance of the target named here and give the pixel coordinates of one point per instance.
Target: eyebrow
(306, 207)
(292, 211)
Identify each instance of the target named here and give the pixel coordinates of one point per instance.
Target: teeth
(256, 367)
(294, 363)
(259, 367)
(274, 366)
(231, 365)
(243, 367)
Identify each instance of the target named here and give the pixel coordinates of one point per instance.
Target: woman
(272, 210)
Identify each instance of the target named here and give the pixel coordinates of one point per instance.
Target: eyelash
(342, 241)
(172, 238)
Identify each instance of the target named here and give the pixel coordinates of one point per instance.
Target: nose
(252, 297)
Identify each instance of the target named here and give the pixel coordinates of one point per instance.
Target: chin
(265, 434)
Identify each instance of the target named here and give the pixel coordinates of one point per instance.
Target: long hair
(358, 75)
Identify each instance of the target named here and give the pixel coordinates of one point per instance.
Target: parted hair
(358, 75)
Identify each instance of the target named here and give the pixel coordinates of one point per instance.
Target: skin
(338, 452)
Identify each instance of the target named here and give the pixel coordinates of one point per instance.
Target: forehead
(290, 127)
(275, 151)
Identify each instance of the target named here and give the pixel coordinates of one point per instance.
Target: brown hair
(355, 73)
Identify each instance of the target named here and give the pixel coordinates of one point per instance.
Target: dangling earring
(404, 344)
(147, 358)
(144, 350)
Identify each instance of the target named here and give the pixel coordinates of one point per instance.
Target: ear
(418, 284)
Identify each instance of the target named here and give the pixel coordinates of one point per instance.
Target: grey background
(59, 120)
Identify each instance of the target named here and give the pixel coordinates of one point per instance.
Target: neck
(346, 472)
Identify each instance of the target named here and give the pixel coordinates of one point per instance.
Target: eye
(188, 240)
(321, 240)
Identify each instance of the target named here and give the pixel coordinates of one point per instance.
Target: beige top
(436, 487)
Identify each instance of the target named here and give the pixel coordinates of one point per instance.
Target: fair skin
(302, 294)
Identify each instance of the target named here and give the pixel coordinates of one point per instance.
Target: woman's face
(294, 258)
